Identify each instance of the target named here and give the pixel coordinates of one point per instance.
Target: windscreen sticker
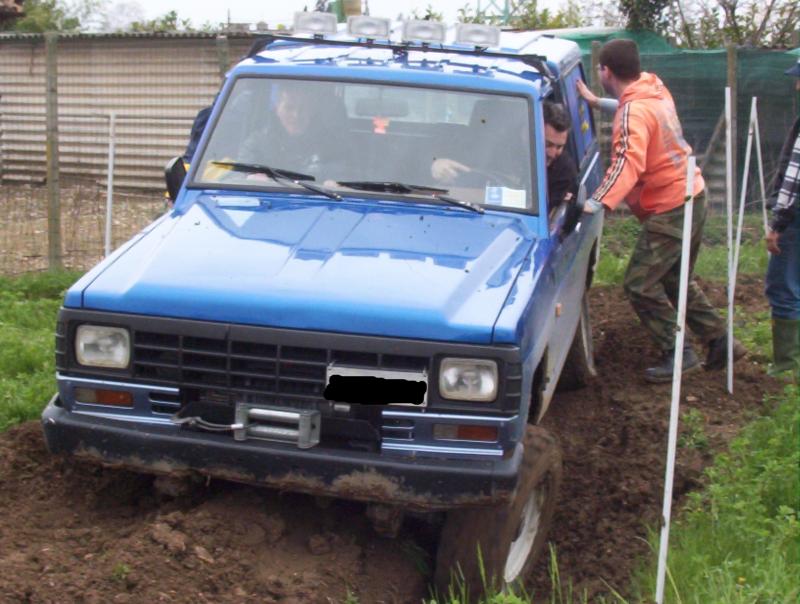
(508, 198)
(380, 124)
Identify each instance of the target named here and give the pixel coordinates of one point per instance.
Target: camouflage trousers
(653, 277)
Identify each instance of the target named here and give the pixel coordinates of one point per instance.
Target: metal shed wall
(154, 84)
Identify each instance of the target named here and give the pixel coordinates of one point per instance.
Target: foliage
(643, 14)
(167, 22)
(28, 308)
(429, 14)
(526, 15)
(693, 434)
(44, 15)
(529, 17)
(739, 540)
(714, 23)
(620, 234)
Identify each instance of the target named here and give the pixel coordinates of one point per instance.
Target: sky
(275, 12)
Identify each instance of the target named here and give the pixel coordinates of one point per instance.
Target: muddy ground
(71, 532)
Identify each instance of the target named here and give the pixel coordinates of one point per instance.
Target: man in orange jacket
(648, 172)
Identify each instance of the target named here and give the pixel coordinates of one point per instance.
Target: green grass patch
(739, 540)
(621, 232)
(28, 309)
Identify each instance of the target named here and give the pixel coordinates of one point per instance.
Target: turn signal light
(465, 432)
(116, 398)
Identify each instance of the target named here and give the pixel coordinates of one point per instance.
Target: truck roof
(526, 55)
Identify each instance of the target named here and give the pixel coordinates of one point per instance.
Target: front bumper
(414, 483)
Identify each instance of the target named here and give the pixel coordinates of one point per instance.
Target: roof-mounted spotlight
(417, 30)
(364, 26)
(318, 24)
(477, 34)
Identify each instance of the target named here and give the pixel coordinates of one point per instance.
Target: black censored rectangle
(370, 390)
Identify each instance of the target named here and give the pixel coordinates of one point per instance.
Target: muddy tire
(510, 537)
(579, 367)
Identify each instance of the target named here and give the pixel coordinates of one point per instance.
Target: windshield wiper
(279, 174)
(406, 189)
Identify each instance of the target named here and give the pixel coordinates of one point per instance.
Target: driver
(297, 135)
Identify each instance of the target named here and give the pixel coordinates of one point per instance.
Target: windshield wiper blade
(279, 174)
(381, 186)
(263, 169)
(461, 203)
(406, 189)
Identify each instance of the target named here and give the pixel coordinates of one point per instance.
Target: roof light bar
(314, 23)
(478, 34)
(417, 30)
(368, 27)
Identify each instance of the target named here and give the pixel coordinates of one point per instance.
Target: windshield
(349, 135)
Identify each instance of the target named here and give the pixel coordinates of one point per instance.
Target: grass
(620, 234)
(739, 540)
(28, 309)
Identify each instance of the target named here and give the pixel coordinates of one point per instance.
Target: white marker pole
(760, 167)
(680, 333)
(742, 198)
(112, 124)
(729, 207)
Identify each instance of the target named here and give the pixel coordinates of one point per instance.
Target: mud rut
(78, 533)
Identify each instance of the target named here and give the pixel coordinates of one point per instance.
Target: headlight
(468, 379)
(101, 346)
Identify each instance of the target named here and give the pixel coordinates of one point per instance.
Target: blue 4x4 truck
(360, 292)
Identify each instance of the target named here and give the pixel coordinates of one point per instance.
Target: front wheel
(579, 366)
(509, 537)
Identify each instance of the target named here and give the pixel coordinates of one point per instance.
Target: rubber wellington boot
(785, 346)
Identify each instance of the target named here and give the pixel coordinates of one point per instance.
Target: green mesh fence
(697, 81)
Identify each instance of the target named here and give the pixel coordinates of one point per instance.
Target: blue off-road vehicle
(360, 292)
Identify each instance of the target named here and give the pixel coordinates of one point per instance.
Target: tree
(526, 15)
(167, 22)
(644, 14)
(714, 23)
(45, 15)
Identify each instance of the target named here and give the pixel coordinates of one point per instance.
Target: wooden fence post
(54, 260)
(223, 54)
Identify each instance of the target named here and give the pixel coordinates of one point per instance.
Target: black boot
(718, 353)
(663, 371)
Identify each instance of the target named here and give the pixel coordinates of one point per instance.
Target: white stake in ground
(112, 125)
(754, 118)
(680, 336)
(729, 215)
(742, 197)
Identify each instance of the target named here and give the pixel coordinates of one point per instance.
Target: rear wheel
(509, 537)
(579, 367)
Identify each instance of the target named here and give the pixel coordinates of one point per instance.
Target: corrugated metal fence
(154, 84)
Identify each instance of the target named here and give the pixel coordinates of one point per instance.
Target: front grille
(276, 373)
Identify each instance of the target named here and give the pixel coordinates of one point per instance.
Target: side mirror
(574, 212)
(174, 173)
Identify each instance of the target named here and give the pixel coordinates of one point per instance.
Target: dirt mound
(71, 532)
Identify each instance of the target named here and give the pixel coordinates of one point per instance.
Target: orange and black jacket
(649, 153)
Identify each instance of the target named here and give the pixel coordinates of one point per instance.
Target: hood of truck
(365, 266)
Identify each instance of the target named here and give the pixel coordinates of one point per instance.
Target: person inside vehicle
(561, 169)
(289, 135)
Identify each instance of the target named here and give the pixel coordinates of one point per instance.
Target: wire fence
(23, 226)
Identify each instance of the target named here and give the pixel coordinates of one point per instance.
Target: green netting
(697, 80)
